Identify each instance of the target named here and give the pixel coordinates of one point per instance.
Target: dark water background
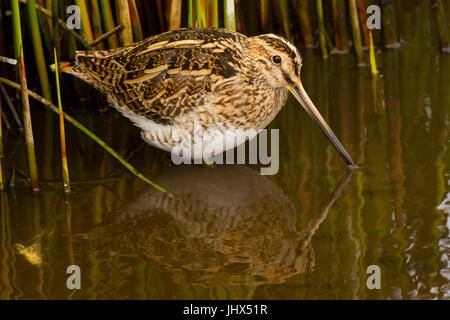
(309, 232)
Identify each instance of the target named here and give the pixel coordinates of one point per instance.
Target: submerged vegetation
(329, 27)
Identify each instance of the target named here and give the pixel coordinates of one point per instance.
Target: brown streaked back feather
(164, 76)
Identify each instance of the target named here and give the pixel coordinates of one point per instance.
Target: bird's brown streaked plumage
(164, 76)
(219, 78)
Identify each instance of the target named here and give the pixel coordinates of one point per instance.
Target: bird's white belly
(200, 143)
(189, 139)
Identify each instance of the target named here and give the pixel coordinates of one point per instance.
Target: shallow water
(308, 232)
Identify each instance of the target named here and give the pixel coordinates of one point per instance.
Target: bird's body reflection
(227, 225)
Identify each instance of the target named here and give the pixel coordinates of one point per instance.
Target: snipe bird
(216, 77)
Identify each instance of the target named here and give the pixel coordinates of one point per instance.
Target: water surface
(309, 232)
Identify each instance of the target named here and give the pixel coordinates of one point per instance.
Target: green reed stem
(213, 13)
(135, 22)
(96, 21)
(29, 140)
(108, 22)
(85, 22)
(284, 8)
(48, 7)
(86, 131)
(340, 25)
(200, 13)
(45, 30)
(56, 34)
(126, 35)
(71, 48)
(38, 49)
(441, 22)
(373, 61)
(356, 30)
(230, 16)
(321, 24)
(62, 131)
(190, 13)
(264, 10)
(303, 15)
(175, 15)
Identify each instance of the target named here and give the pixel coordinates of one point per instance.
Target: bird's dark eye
(276, 59)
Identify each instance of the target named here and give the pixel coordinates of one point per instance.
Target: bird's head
(279, 63)
(278, 60)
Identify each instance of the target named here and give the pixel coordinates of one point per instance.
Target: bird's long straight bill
(300, 94)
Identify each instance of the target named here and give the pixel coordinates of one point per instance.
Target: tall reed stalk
(39, 57)
(56, 34)
(213, 13)
(96, 21)
(135, 22)
(175, 15)
(340, 26)
(356, 30)
(321, 24)
(239, 17)
(71, 48)
(48, 7)
(303, 16)
(29, 139)
(389, 25)
(62, 131)
(191, 13)
(264, 12)
(284, 10)
(230, 16)
(200, 9)
(126, 35)
(441, 23)
(161, 19)
(363, 18)
(44, 28)
(108, 22)
(85, 22)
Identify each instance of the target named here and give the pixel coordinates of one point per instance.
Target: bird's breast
(268, 105)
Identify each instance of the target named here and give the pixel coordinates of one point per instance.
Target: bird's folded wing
(164, 76)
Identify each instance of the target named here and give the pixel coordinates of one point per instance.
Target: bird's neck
(270, 100)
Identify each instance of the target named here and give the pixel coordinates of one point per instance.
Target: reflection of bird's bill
(314, 225)
(300, 94)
